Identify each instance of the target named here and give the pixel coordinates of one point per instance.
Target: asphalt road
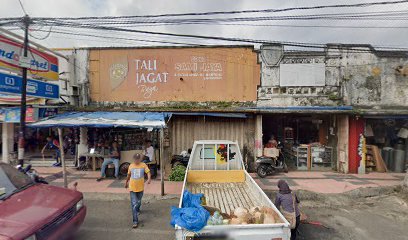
(344, 217)
(111, 219)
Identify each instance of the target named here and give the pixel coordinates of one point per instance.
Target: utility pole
(23, 107)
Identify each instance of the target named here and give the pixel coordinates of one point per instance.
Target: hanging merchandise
(362, 150)
(76, 135)
(369, 131)
(389, 122)
(403, 133)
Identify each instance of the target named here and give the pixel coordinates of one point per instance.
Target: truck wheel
(262, 171)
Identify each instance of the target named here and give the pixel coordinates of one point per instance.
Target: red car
(34, 211)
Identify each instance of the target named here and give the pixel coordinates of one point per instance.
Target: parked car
(36, 211)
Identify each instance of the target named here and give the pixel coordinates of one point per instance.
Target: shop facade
(368, 84)
(185, 128)
(385, 143)
(310, 100)
(306, 139)
(311, 139)
(98, 130)
(201, 86)
(35, 139)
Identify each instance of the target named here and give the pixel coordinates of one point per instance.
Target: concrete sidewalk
(87, 182)
(319, 182)
(329, 182)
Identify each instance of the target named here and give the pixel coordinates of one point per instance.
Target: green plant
(333, 97)
(177, 173)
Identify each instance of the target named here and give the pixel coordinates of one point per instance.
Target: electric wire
(22, 7)
(293, 44)
(380, 16)
(39, 30)
(111, 23)
(119, 38)
(356, 5)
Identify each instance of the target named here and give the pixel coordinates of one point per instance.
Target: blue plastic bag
(191, 200)
(192, 216)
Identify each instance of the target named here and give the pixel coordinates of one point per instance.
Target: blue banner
(13, 84)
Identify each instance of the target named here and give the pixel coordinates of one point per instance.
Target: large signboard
(174, 74)
(302, 75)
(42, 65)
(14, 84)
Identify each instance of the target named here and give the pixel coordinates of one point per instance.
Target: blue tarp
(105, 119)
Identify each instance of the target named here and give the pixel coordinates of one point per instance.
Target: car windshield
(12, 181)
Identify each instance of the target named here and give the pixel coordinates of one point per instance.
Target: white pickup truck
(216, 169)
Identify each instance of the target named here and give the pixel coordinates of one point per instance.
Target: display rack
(303, 155)
(131, 140)
(321, 157)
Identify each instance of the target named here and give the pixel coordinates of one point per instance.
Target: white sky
(78, 8)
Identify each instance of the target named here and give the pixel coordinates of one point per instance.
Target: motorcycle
(32, 174)
(181, 159)
(268, 165)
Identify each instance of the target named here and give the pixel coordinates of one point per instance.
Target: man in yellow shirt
(135, 183)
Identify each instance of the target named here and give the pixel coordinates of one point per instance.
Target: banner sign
(47, 112)
(7, 99)
(12, 115)
(174, 74)
(42, 65)
(13, 84)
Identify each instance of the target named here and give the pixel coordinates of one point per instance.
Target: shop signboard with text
(41, 65)
(47, 112)
(174, 74)
(14, 84)
(12, 115)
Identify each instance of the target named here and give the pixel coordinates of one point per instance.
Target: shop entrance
(387, 138)
(130, 141)
(304, 139)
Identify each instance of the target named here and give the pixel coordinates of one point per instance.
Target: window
(216, 157)
(11, 180)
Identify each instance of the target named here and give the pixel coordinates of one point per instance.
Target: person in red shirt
(53, 144)
(272, 143)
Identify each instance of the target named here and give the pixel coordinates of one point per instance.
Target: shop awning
(105, 120)
(210, 114)
(301, 109)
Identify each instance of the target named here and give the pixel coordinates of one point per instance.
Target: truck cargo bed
(216, 169)
(225, 196)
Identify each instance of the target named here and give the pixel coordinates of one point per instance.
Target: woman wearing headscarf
(284, 198)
